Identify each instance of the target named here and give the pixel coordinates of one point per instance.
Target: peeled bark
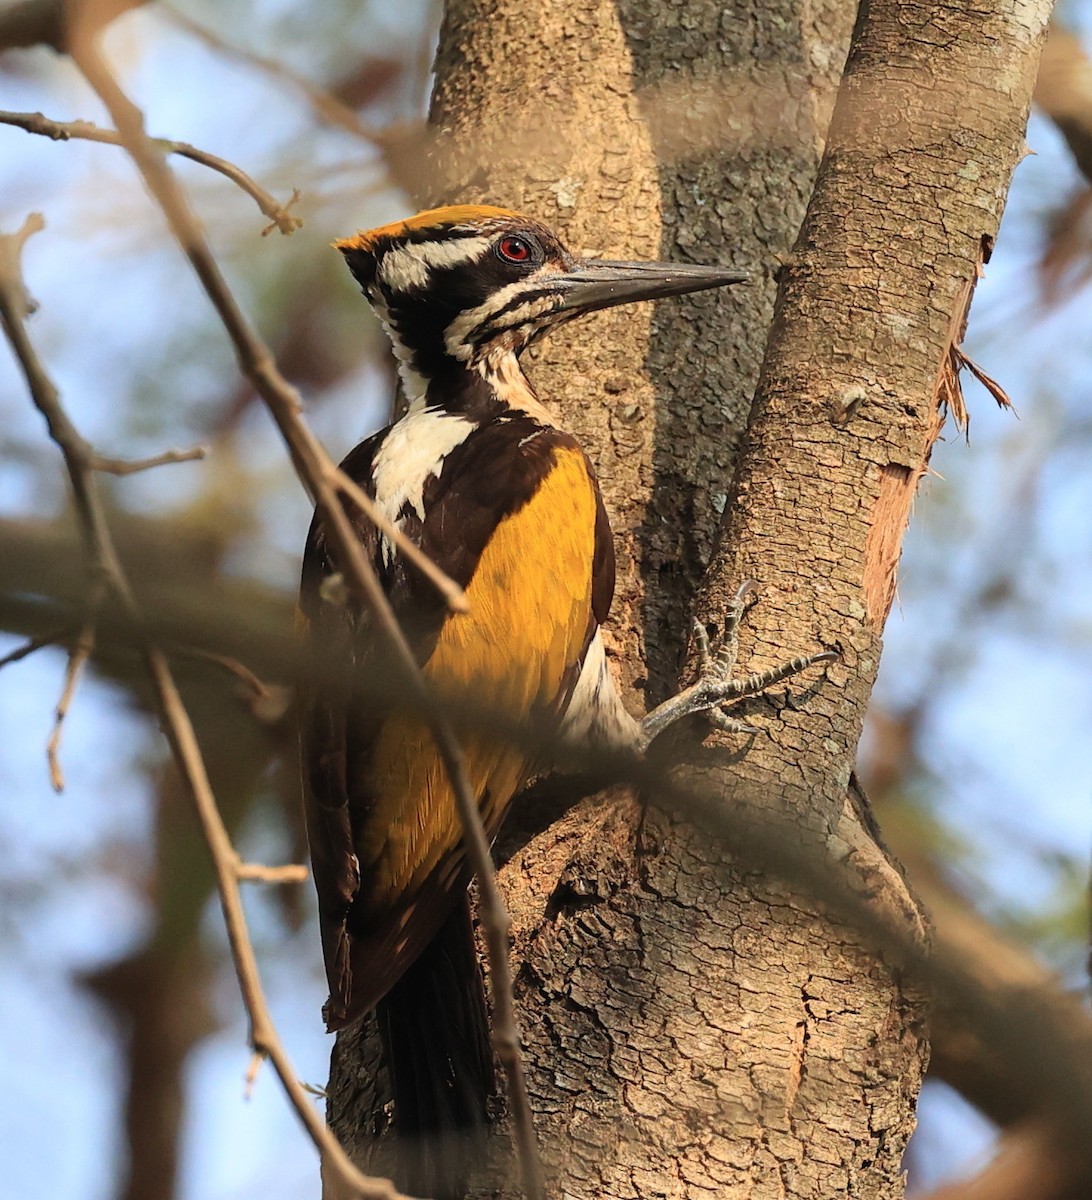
(691, 1025)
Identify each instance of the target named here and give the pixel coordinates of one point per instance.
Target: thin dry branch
(108, 574)
(315, 468)
(34, 644)
(11, 254)
(269, 702)
(453, 594)
(132, 466)
(62, 131)
(260, 873)
(78, 656)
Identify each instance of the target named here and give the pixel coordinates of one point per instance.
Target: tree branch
(86, 131)
(132, 466)
(78, 655)
(55, 23)
(32, 645)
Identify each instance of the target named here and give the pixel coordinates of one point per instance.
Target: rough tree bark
(691, 1027)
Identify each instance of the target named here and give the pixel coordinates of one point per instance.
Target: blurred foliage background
(119, 1016)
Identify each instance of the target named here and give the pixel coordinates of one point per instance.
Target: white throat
(501, 370)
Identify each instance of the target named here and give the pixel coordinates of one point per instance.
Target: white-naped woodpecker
(480, 475)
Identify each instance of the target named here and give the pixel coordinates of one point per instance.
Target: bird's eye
(515, 250)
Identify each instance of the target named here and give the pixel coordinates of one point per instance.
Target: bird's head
(470, 285)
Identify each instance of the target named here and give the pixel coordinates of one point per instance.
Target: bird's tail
(434, 1026)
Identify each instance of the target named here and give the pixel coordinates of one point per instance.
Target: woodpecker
(481, 476)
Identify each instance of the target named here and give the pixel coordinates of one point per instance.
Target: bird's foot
(715, 690)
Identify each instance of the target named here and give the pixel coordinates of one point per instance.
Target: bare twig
(78, 655)
(61, 131)
(36, 643)
(131, 466)
(79, 458)
(11, 253)
(232, 665)
(251, 1077)
(260, 873)
(314, 467)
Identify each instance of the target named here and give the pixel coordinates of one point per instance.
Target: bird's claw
(719, 719)
(715, 689)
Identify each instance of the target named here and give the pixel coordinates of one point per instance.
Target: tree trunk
(691, 1027)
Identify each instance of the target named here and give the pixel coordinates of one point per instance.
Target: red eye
(514, 250)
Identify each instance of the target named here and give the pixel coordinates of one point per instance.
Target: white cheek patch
(410, 455)
(458, 334)
(454, 251)
(405, 267)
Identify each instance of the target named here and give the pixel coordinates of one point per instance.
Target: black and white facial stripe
(445, 297)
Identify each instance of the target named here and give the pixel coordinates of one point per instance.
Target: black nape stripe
(457, 390)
